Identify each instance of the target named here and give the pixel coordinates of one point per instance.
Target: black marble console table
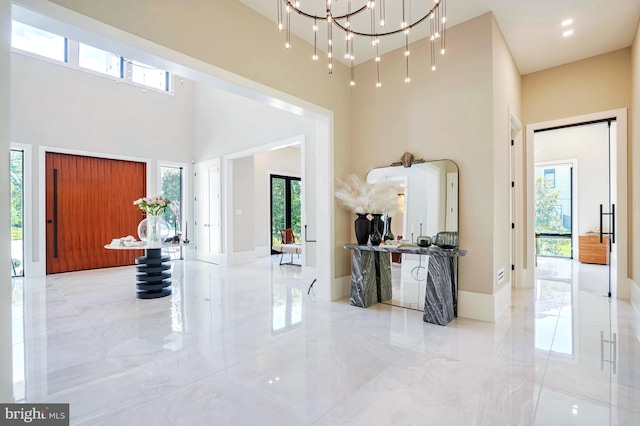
(153, 278)
(371, 278)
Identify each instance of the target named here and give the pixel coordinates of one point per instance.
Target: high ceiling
(533, 28)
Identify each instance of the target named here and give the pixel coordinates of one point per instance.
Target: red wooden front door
(89, 201)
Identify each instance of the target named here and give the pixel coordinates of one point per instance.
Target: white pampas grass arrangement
(383, 198)
(352, 193)
(361, 197)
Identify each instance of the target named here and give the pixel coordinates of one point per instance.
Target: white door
(207, 211)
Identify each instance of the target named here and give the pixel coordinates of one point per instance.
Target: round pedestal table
(153, 271)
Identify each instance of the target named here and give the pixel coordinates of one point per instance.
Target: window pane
(295, 209)
(278, 206)
(99, 60)
(17, 246)
(171, 178)
(553, 246)
(553, 199)
(34, 40)
(149, 76)
(553, 203)
(287, 307)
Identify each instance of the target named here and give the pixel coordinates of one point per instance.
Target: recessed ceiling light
(567, 33)
(567, 22)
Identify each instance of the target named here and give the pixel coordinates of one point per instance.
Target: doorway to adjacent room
(575, 193)
(285, 208)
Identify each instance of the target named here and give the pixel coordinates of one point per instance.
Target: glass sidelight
(17, 212)
(171, 178)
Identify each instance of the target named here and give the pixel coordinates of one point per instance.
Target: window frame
(183, 187)
(288, 179)
(106, 74)
(130, 64)
(72, 60)
(36, 55)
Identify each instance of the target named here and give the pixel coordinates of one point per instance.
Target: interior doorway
(575, 190)
(207, 211)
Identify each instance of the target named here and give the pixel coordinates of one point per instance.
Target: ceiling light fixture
(349, 16)
(567, 33)
(567, 22)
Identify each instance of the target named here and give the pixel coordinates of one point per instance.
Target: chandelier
(367, 19)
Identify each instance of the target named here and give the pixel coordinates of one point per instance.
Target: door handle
(55, 213)
(601, 214)
(612, 223)
(613, 352)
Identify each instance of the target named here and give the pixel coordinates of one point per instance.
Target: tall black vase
(376, 236)
(363, 228)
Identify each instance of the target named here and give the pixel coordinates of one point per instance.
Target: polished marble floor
(247, 346)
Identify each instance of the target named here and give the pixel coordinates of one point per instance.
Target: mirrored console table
(371, 278)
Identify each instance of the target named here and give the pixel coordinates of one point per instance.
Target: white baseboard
(309, 273)
(502, 299)
(634, 297)
(35, 269)
(241, 257)
(263, 251)
(477, 306)
(189, 253)
(341, 288)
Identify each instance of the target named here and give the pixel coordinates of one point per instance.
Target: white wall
(286, 162)
(6, 345)
(56, 106)
(243, 207)
(225, 123)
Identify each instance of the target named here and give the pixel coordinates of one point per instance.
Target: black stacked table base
(154, 275)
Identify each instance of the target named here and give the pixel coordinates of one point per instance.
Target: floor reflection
(287, 307)
(250, 345)
(553, 296)
(409, 280)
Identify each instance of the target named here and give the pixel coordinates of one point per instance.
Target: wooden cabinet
(592, 250)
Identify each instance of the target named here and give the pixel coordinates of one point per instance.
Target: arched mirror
(428, 204)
